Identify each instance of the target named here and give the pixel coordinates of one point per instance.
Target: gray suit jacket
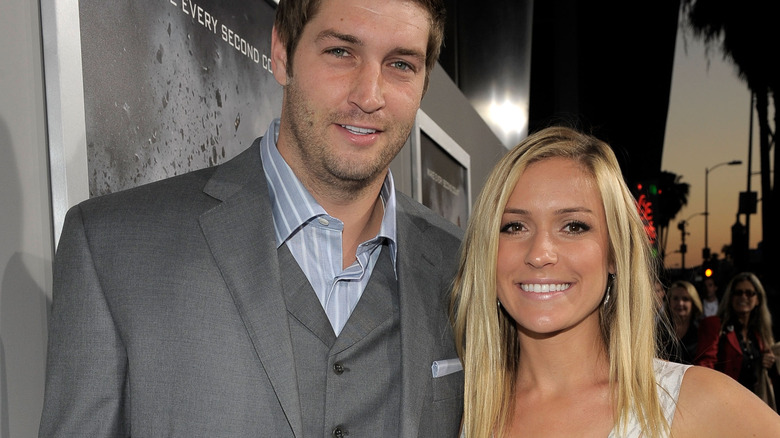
(168, 317)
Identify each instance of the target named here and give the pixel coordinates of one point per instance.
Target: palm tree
(673, 196)
(745, 31)
(659, 199)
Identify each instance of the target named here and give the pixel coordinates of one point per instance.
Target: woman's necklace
(747, 346)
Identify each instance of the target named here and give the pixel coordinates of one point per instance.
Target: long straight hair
(486, 337)
(760, 319)
(697, 308)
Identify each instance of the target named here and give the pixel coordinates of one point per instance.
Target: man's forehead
(381, 9)
(362, 17)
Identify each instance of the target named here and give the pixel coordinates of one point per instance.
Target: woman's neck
(681, 325)
(744, 319)
(563, 360)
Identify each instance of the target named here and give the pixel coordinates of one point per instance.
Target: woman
(684, 308)
(737, 341)
(554, 315)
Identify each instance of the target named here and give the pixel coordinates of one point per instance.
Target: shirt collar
(293, 205)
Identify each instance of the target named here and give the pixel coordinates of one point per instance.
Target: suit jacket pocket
(447, 387)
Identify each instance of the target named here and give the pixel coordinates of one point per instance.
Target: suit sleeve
(86, 362)
(707, 347)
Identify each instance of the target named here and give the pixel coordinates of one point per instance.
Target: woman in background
(737, 341)
(684, 308)
(554, 315)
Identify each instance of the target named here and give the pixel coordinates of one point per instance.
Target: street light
(681, 226)
(705, 252)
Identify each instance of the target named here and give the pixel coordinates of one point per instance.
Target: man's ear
(278, 58)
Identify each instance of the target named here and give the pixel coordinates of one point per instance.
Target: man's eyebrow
(410, 52)
(352, 39)
(329, 33)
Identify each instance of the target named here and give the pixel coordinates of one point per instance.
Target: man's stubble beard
(322, 163)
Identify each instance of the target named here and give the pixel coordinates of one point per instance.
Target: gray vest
(350, 385)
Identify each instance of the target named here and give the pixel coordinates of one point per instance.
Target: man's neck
(359, 208)
(356, 203)
(369, 230)
(362, 219)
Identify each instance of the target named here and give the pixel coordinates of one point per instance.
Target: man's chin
(356, 176)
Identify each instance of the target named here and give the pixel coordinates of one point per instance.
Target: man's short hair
(292, 16)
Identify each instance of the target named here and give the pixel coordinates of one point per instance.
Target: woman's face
(660, 293)
(744, 297)
(680, 303)
(553, 249)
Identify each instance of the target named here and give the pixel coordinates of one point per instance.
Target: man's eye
(339, 52)
(401, 65)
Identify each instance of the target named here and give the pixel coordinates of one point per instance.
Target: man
(711, 300)
(287, 292)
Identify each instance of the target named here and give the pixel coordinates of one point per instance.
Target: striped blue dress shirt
(314, 237)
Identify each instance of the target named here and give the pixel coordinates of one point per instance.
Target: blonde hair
(760, 318)
(486, 338)
(693, 293)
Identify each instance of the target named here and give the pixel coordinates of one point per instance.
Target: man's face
(710, 287)
(358, 81)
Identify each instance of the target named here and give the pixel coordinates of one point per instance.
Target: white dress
(669, 376)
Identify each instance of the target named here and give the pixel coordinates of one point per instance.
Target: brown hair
(292, 16)
(760, 319)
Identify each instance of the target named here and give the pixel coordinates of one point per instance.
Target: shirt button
(338, 368)
(323, 221)
(339, 432)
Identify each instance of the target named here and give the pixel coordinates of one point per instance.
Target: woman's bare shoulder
(713, 404)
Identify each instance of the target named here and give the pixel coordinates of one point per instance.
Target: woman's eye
(512, 227)
(576, 227)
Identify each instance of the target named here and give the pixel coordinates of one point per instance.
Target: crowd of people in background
(730, 331)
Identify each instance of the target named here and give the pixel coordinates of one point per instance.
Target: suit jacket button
(339, 432)
(338, 369)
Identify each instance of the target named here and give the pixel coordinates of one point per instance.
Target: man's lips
(357, 130)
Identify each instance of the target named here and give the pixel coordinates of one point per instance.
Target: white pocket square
(441, 368)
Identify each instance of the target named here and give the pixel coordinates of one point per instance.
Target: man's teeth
(356, 130)
(545, 287)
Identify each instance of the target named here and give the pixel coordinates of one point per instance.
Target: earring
(498, 303)
(610, 280)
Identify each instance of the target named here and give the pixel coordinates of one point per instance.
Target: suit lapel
(418, 288)
(733, 338)
(375, 307)
(302, 302)
(240, 233)
(734, 341)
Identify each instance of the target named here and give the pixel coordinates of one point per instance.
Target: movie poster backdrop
(171, 86)
(442, 180)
